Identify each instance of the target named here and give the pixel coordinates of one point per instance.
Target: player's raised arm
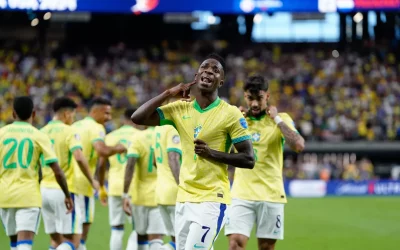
(106, 151)
(147, 113)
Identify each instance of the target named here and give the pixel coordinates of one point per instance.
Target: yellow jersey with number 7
(21, 146)
(116, 173)
(144, 180)
(166, 139)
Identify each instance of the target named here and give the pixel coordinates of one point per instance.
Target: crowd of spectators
(331, 96)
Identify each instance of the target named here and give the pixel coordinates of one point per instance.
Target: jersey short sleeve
(288, 121)
(74, 140)
(166, 112)
(135, 150)
(238, 128)
(97, 133)
(173, 141)
(49, 156)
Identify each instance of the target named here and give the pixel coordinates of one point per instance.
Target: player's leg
(87, 212)
(209, 219)
(140, 218)
(50, 198)
(70, 225)
(182, 225)
(117, 220)
(168, 216)
(7, 217)
(240, 220)
(155, 228)
(270, 220)
(27, 224)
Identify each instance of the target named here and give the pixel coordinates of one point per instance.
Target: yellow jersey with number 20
(144, 181)
(116, 173)
(264, 182)
(166, 139)
(65, 141)
(219, 125)
(21, 146)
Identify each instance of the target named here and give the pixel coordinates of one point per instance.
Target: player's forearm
(130, 168)
(60, 178)
(239, 160)
(174, 164)
(293, 139)
(147, 113)
(102, 170)
(83, 165)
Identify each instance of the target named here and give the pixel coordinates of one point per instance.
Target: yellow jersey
(220, 125)
(65, 141)
(264, 182)
(144, 181)
(166, 139)
(21, 146)
(89, 131)
(116, 173)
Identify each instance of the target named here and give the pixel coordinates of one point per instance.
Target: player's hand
(201, 148)
(243, 110)
(95, 185)
(127, 206)
(103, 196)
(69, 204)
(183, 88)
(272, 112)
(120, 148)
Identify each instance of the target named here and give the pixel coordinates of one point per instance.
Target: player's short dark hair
(255, 83)
(218, 58)
(63, 103)
(23, 107)
(128, 113)
(99, 101)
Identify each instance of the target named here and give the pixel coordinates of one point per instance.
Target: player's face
(103, 114)
(70, 116)
(210, 76)
(256, 102)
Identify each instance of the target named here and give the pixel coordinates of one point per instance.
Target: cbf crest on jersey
(243, 123)
(197, 131)
(176, 139)
(255, 137)
(77, 137)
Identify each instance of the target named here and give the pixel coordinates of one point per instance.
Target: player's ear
(221, 83)
(33, 114)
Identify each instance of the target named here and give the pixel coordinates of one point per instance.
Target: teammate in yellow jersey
(67, 144)
(168, 154)
(146, 215)
(258, 195)
(208, 127)
(116, 173)
(92, 132)
(21, 146)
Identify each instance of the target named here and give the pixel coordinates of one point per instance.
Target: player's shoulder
(285, 116)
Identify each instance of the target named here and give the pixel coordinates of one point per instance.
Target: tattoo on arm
(130, 168)
(291, 137)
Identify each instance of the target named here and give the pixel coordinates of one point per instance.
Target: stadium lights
(47, 16)
(335, 53)
(257, 18)
(34, 22)
(358, 17)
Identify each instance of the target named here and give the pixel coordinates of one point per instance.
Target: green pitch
(310, 224)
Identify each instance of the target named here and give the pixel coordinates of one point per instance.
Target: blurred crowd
(328, 167)
(331, 96)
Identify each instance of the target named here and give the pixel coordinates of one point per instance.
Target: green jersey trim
(211, 106)
(240, 139)
(177, 150)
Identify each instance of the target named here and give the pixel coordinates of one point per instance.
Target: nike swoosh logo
(196, 246)
(185, 117)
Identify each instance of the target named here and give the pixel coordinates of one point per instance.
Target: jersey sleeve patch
(243, 123)
(176, 139)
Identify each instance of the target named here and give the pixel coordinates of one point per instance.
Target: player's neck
(205, 99)
(25, 121)
(57, 118)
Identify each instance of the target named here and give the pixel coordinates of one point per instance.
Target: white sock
(66, 246)
(132, 241)
(143, 245)
(155, 244)
(117, 236)
(24, 245)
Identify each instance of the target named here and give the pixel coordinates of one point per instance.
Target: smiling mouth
(205, 79)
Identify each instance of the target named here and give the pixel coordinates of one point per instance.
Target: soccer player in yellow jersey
(68, 148)
(146, 214)
(168, 154)
(92, 133)
(21, 146)
(116, 173)
(208, 127)
(258, 195)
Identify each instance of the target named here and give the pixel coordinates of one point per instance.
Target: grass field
(310, 224)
